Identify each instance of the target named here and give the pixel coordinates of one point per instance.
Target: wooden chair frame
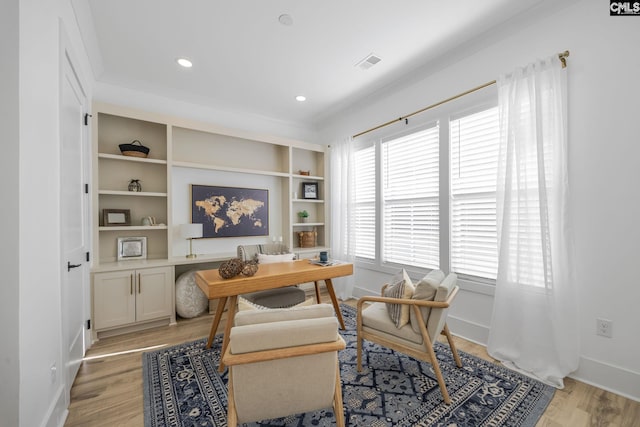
(429, 354)
(231, 360)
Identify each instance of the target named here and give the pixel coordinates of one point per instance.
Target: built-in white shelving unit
(186, 152)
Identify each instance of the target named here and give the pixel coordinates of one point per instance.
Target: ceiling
(245, 60)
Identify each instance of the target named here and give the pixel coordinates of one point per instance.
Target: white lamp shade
(191, 231)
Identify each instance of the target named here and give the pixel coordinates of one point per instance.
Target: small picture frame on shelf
(310, 190)
(132, 248)
(116, 217)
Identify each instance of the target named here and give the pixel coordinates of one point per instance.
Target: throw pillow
(402, 288)
(425, 290)
(268, 259)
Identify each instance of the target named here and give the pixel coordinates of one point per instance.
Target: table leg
(231, 314)
(317, 292)
(334, 301)
(216, 320)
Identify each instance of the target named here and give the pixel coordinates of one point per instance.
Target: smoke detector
(368, 62)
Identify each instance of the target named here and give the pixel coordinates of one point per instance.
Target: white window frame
(443, 115)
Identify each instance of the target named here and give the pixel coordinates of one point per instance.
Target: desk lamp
(190, 232)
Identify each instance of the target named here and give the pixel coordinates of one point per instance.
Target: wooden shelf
(130, 193)
(307, 200)
(133, 228)
(308, 224)
(310, 177)
(131, 159)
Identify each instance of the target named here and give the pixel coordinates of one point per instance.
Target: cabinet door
(113, 299)
(154, 293)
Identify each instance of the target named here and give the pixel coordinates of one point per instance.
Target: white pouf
(190, 300)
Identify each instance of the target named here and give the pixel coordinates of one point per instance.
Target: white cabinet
(127, 297)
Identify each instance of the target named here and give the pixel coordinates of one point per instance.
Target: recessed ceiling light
(285, 19)
(301, 98)
(184, 62)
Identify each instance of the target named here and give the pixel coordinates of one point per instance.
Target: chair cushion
(375, 319)
(269, 259)
(282, 334)
(250, 317)
(425, 290)
(401, 287)
(277, 298)
(250, 252)
(438, 315)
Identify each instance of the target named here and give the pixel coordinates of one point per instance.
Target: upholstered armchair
(427, 309)
(288, 296)
(283, 362)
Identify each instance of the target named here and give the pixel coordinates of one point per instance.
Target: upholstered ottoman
(190, 300)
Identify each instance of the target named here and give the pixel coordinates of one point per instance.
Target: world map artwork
(230, 211)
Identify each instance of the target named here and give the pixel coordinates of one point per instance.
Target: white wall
(604, 101)
(41, 401)
(9, 287)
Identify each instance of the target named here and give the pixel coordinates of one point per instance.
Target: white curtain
(534, 328)
(342, 179)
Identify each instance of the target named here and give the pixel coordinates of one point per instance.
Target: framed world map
(230, 211)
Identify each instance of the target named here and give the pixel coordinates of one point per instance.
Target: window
(410, 179)
(402, 215)
(474, 164)
(365, 203)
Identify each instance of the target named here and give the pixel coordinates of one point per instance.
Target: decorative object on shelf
(305, 173)
(231, 268)
(190, 232)
(190, 300)
(303, 215)
(250, 268)
(132, 248)
(149, 220)
(230, 211)
(116, 217)
(134, 150)
(134, 185)
(309, 190)
(307, 239)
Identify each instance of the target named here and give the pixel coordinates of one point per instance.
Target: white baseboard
(57, 413)
(615, 379)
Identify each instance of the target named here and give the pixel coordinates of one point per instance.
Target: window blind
(365, 199)
(474, 162)
(410, 185)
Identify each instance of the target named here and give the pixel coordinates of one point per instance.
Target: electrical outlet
(604, 328)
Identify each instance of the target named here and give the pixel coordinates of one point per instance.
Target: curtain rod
(563, 58)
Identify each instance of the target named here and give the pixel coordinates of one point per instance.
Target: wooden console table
(269, 276)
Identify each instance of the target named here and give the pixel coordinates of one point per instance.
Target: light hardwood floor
(108, 388)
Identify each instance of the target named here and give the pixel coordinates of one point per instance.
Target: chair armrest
(282, 353)
(417, 302)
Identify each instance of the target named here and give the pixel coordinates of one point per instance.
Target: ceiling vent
(368, 62)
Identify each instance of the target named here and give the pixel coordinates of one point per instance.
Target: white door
(74, 220)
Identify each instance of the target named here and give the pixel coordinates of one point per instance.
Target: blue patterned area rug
(182, 388)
